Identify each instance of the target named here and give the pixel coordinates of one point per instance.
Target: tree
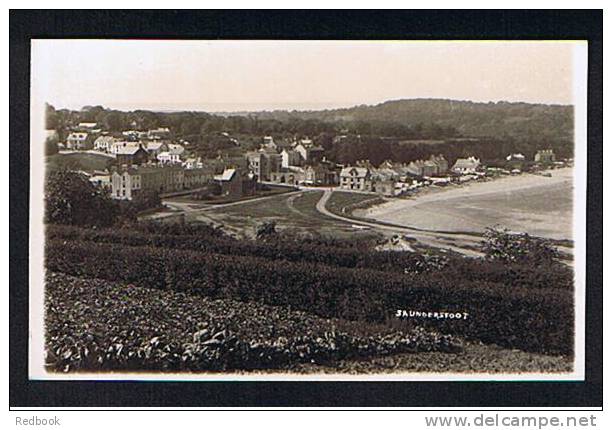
(51, 117)
(51, 144)
(71, 199)
(112, 121)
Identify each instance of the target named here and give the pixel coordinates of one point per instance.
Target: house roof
(359, 171)
(466, 163)
(385, 173)
(175, 149)
(128, 150)
(227, 175)
(159, 130)
(107, 139)
(77, 135)
(154, 145)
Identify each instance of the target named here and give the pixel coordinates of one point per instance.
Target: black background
(396, 25)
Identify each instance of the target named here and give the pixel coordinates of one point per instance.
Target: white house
(101, 179)
(156, 147)
(464, 166)
(103, 143)
(76, 140)
(173, 155)
(355, 178)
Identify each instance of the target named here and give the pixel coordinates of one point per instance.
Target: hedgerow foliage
(504, 310)
(501, 245)
(210, 240)
(71, 199)
(142, 329)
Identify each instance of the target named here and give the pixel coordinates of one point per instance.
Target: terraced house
(128, 181)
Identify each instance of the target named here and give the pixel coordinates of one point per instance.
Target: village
(153, 161)
(222, 238)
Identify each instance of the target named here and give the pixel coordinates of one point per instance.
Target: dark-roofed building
(131, 154)
(235, 183)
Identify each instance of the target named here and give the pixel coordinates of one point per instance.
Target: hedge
(478, 270)
(276, 250)
(539, 320)
(143, 329)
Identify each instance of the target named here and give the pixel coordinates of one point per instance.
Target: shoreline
(527, 202)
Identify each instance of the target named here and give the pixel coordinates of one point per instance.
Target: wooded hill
(519, 120)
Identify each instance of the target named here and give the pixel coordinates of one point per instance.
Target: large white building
(103, 143)
(355, 178)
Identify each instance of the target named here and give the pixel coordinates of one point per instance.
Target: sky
(226, 76)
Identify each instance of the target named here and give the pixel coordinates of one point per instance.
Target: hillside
(520, 120)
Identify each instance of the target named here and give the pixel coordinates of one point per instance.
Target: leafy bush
(143, 329)
(210, 239)
(266, 230)
(530, 319)
(71, 199)
(146, 199)
(501, 245)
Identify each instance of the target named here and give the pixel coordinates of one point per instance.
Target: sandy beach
(535, 204)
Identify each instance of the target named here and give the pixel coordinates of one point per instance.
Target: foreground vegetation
(95, 325)
(525, 303)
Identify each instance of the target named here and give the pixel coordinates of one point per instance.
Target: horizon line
(286, 106)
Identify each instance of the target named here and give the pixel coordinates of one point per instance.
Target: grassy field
(216, 200)
(86, 161)
(296, 211)
(343, 203)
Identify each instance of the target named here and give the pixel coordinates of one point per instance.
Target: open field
(188, 198)
(345, 202)
(295, 211)
(538, 205)
(87, 162)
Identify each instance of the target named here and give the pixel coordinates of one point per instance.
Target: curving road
(434, 239)
(452, 241)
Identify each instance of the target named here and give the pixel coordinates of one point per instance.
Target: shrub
(266, 230)
(530, 319)
(143, 329)
(501, 245)
(210, 239)
(71, 199)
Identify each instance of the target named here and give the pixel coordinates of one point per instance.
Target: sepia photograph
(403, 210)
